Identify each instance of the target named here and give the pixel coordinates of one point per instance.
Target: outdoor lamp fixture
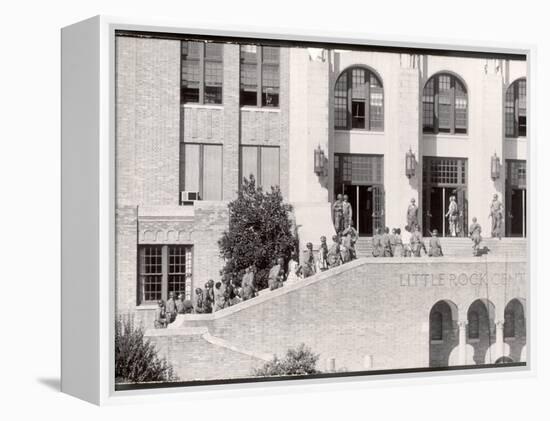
(410, 164)
(495, 167)
(319, 161)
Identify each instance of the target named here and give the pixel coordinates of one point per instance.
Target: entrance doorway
(443, 178)
(366, 203)
(516, 198)
(360, 177)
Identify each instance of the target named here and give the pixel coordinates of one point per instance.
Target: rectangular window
(522, 107)
(150, 273)
(444, 104)
(376, 104)
(263, 162)
(163, 269)
(190, 71)
(203, 170)
(428, 107)
(259, 76)
(201, 72)
(341, 102)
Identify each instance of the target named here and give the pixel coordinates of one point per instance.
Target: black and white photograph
(290, 209)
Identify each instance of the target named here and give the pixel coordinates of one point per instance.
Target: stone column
(462, 342)
(499, 340)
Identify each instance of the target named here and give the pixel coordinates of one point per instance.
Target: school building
(194, 116)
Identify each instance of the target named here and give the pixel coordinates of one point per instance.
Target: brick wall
(148, 121)
(366, 310)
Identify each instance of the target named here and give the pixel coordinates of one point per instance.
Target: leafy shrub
(260, 230)
(136, 359)
(297, 361)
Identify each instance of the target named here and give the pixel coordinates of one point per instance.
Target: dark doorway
(366, 207)
(516, 198)
(518, 216)
(443, 178)
(360, 177)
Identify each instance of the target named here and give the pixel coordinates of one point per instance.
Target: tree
(136, 359)
(299, 361)
(260, 230)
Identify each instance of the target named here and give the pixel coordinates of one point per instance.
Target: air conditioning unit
(188, 197)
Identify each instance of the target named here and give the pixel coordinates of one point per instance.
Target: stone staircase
(462, 247)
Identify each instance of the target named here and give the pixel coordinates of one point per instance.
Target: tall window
(444, 105)
(260, 76)
(358, 100)
(473, 325)
(163, 269)
(202, 170)
(436, 326)
(515, 109)
(509, 324)
(201, 72)
(263, 163)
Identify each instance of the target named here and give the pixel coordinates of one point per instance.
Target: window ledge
(516, 139)
(146, 307)
(459, 136)
(473, 340)
(360, 131)
(261, 109)
(436, 341)
(203, 106)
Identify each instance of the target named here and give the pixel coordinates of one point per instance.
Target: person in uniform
(179, 304)
(377, 250)
(322, 262)
(398, 249)
(161, 320)
(209, 296)
(435, 246)
(199, 301)
(333, 256)
(350, 238)
(308, 266)
(385, 243)
(276, 274)
(475, 235)
(417, 242)
(248, 280)
(347, 211)
(219, 296)
(338, 214)
(452, 215)
(412, 216)
(496, 215)
(171, 309)
(293, 268)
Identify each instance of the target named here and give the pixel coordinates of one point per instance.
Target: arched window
(509, 323)
(358, 100)
(444, 105)
(436, 326)
(473, 325)
(515, 109)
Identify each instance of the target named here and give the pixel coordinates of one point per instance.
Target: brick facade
(364, 315)
(152, 125)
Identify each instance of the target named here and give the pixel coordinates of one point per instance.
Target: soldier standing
(323, 254)
(338, 214)
(435, 246)
(452, 214)
(347, 211)
(350, 238)
(412, 216)
(496, 215)
(475, 235)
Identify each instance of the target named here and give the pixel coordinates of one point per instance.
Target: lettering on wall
(457, 280)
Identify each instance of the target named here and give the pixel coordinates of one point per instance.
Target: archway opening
(481, 328)
(443, 332)
(514, 328)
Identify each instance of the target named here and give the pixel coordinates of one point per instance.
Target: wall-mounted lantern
(319, 161)
(495, 167)
(410, 164)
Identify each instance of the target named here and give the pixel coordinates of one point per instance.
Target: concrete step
(513, 247)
